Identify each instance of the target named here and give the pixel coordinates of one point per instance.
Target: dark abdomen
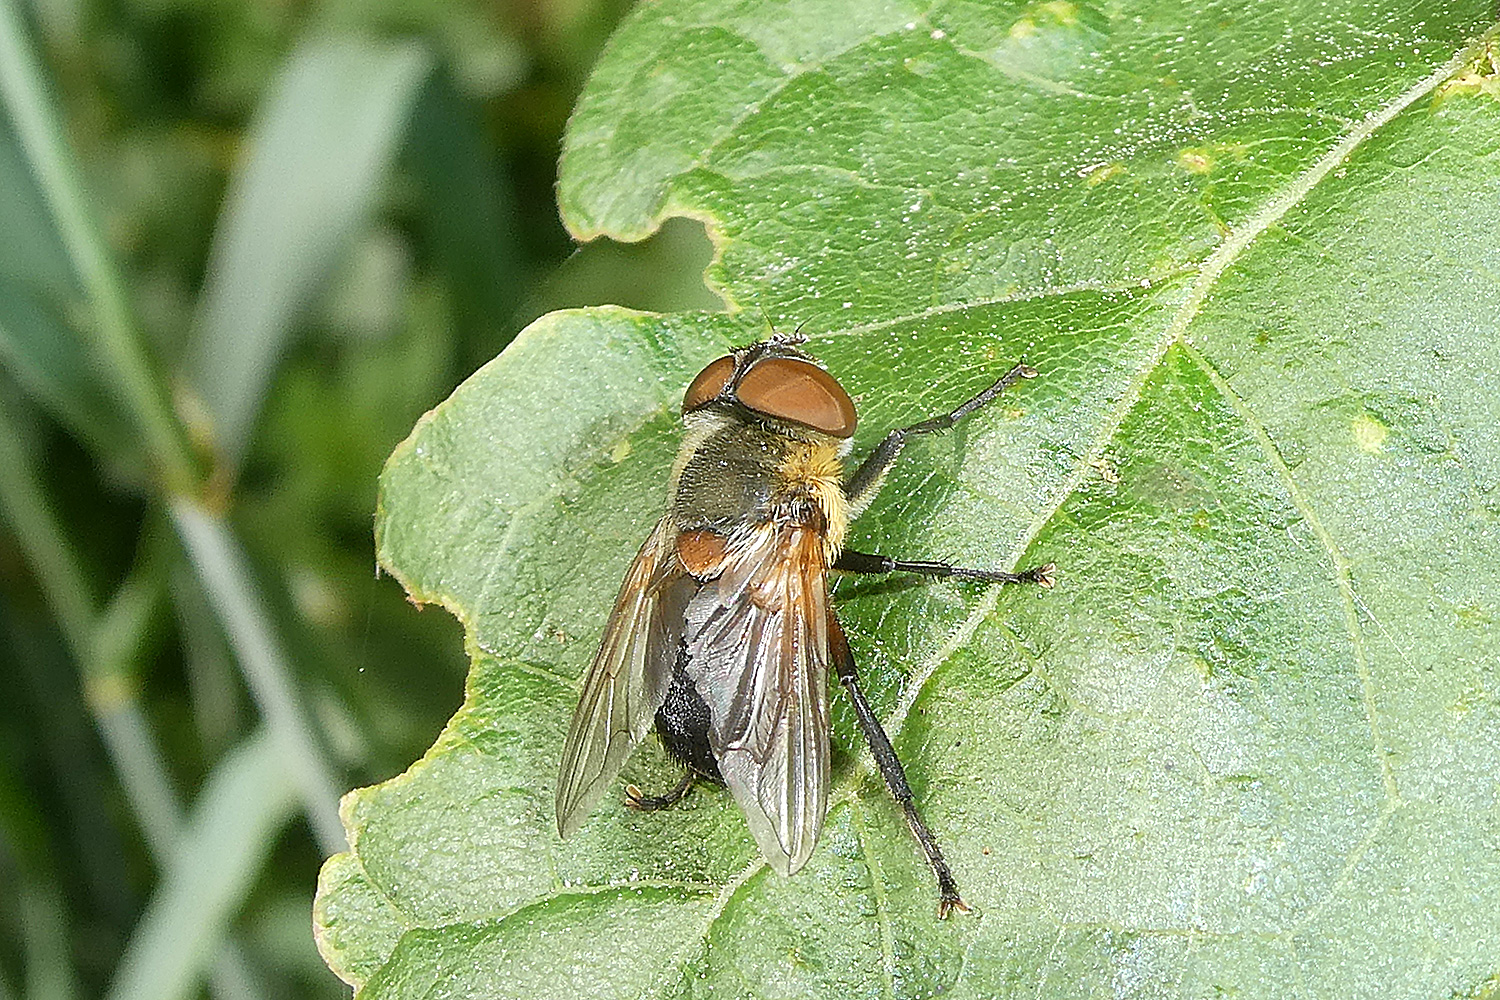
(682, 724)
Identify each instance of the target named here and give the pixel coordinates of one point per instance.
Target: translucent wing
(628, 679)
(757, 651)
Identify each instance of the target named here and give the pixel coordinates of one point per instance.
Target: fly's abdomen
(682, 723)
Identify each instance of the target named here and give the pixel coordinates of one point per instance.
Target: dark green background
(455, 245)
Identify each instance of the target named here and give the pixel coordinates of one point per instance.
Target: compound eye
(709, 384)
(800, 392)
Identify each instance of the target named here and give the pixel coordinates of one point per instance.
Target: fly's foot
(1042, 576)
(951, 903)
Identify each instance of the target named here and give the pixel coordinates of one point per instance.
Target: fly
(723, 632)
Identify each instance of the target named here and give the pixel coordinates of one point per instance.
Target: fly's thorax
(734, 472)
(725, 473)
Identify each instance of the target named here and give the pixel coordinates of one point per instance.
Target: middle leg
(850, 561)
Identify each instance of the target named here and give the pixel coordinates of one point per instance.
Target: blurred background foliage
(302, 299)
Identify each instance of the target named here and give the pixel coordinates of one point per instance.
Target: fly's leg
(865, 483)
(636, 799)
(895, 776)
(850, 561)
(861, 488)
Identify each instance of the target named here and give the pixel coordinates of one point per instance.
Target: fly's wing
(628, 679)
(757, 651)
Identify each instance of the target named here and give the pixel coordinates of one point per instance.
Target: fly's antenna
(793, 339)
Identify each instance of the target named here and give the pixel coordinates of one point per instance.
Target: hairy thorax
(735, 474)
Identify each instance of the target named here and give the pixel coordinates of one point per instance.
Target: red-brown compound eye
(709, 383)
(800, 392)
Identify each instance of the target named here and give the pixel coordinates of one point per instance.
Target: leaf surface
(1247, 746)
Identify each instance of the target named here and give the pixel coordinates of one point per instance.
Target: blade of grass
(38, 287)
(44, 932)
(124, 361)
(215, 554)
(108, 688)
(105, 649)
(246, 800)
(214, 684)
(26, 854)
(51, 363)
(51, 557)
(319, 152)
(231, 589)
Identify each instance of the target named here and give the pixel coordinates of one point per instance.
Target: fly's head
(775, 384)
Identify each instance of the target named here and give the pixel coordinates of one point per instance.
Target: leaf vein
(882, 904)
(1339, 561)
(727, 893)
(1203, 283)
(1022, 295)
(1346, 874)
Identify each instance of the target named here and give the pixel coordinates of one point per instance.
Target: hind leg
(636, 799)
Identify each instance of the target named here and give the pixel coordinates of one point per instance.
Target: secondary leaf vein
(1340, 562)
(882, 904)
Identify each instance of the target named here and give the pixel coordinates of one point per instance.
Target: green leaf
(1247, 746)
(320, 152)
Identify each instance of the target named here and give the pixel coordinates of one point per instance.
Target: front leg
(865, 483)
(850, 561)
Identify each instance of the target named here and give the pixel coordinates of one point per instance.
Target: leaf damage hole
(662, 273)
